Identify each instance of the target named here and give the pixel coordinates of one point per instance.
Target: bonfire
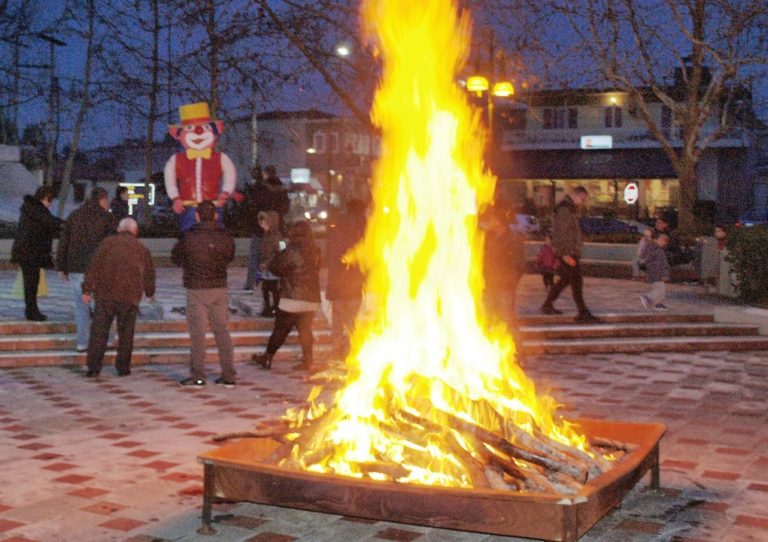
(433, 393)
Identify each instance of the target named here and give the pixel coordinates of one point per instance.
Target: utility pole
(255, 127)
(53, 100)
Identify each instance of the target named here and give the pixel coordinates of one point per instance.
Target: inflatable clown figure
(198, 173)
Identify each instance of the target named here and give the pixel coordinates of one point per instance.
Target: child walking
(656, 272)
(270, 246)
(546, 262)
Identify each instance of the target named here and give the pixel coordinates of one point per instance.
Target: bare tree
(88, 31)
(717, 48)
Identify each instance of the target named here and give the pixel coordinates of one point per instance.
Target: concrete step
(616, 318)
(645, 344)
(168, 339)
(240, 324)
(38, 358)
(628, 330)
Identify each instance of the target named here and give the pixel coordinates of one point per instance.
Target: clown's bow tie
(194, 153)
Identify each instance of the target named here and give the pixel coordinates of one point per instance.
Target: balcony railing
(623, 138)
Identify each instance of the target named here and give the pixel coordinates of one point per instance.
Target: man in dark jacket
(265, 194)
(503, 267)
(31, 248)
(204, 252)
(84, 229)
(566, 240)
(121, 270)
(345, 280)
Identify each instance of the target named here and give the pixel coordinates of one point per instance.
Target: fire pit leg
(655, 469)
(208, 494)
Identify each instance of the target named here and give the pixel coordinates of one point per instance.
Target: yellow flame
(427, 345)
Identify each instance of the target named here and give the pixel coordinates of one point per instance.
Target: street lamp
(481, 86)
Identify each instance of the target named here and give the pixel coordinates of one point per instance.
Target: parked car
(526, 224)
(752, 218)
(601, 225)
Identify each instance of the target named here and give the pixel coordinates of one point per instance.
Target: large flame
(426, 347)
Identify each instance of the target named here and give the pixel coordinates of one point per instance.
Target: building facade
(597, 138)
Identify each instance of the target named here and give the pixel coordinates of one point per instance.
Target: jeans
(254, 259)
(658, 292)
(204, 306)
(82, 310)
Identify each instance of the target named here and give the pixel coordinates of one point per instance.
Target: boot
(265, 360)
(306, 359)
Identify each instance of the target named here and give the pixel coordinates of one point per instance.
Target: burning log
(500, 443)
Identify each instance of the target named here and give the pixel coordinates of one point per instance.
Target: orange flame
(425, 346)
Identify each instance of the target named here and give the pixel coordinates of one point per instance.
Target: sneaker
(124, 373)
(92, 374)
(587, 317)
(660, 307)
(195, 382)
(645, 301)
(225, 383)
(80, 348)
(549, 309)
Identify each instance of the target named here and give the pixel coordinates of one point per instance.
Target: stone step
(168, 339)
(239, 324)
(627, 330)
(645, 344)
(617, 318)
(39, 358)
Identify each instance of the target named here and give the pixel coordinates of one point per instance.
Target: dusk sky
(106, 125)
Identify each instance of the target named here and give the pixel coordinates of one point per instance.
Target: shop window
(613, 117)
(334, 142)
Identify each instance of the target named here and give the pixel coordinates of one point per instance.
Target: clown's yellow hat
(195, 113)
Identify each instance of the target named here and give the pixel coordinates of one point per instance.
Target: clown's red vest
(210, 177)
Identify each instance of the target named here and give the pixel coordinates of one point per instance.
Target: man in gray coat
(566, 240)
(204, 252)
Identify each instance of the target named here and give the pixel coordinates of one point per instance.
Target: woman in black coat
(298, 267)
(32, 245)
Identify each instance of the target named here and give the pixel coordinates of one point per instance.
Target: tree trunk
(686, 175)
(84, 103)
(154, 90)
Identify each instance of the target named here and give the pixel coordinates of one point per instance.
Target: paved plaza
(116, 459)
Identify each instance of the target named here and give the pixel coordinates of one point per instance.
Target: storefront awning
(583, 164)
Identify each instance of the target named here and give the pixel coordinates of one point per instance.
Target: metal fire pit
(236, 472)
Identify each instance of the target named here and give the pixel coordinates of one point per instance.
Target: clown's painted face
(197, 136)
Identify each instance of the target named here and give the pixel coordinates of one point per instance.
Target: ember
(434, 394)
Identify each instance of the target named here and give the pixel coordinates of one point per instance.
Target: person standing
(31, 249)
(345, 279)
(657, 272)
(204, 252)
(84, 229)
(119, 205)
(566, 240)
(298, 267)
(276, 195)
(270, 246)
(503, 266)
(121, 270)
(255, 204)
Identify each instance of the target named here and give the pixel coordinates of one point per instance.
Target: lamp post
(482, 87)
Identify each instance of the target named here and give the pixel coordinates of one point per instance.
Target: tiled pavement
(116, 459)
